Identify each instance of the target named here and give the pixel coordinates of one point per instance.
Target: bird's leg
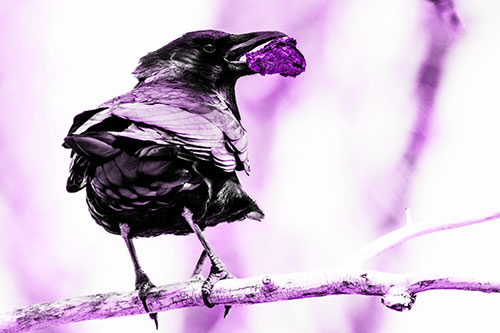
(218, 271)
(142, 282)
(199, 264)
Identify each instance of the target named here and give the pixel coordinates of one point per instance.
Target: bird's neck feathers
(227, 90)
(172, 74)
(166, 71)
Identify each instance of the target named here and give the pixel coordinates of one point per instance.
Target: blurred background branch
(407, 232)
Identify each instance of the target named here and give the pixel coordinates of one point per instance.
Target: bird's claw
(143, 284)
(218, 272)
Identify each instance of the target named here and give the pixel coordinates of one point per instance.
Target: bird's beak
(241, 44)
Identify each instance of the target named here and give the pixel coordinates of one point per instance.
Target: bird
(163, 158)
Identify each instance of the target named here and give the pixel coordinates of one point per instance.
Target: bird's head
(207, 56)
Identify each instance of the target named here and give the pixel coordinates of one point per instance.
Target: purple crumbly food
(279, 56)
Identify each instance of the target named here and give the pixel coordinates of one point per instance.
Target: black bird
(162, 158)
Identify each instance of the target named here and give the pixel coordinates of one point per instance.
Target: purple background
(337, 154)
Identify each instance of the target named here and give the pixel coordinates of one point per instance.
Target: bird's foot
(218, 272)
(143, 284)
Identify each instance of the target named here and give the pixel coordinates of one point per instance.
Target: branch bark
(398, 292)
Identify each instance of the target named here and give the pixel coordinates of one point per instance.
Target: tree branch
(398, 292)
(409, 231)
(447, 13)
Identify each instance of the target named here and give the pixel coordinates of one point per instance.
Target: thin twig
(409, 231)
(398, 292)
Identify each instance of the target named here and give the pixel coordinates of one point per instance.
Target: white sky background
(330, 166)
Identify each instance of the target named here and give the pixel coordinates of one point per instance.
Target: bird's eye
(209, 48)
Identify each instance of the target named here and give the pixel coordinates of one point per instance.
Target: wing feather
(203, 126)
(204, 135)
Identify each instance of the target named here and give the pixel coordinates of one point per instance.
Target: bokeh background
(396, 109)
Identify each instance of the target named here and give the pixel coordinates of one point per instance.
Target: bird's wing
(203, 131)
(167, 105)
(201, 138)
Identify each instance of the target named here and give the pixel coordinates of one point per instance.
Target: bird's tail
(230, 203)
(256, 215)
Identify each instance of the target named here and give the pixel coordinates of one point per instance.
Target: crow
(162, 158)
